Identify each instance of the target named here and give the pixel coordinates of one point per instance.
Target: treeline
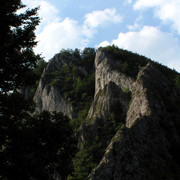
(131, 63)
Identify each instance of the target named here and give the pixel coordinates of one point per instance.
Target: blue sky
(147, 27)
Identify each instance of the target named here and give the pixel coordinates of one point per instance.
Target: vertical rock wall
(49, 97)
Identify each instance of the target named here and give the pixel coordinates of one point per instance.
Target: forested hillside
(97, 113)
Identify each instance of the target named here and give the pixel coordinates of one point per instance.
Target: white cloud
(58, 35)
(137, 24)
(103, 44)
(152, 43)
(55, 33)
(166, 10)
(133, 27)
(102, 18)
(99, 18)
(47, 12)
(141, 4)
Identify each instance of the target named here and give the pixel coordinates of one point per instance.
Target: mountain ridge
(123, 106)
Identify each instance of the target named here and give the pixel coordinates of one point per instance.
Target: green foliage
(93, 150)
(54, 82)
(113, 123)
(177, 81)
(128, 62)
(74, 84)
(36, 74)
(87, 159)
(40, 67)
(117, 116)
(88, 56)
(126, 90)
(83, 58)
(131, 63)
(82, 114)
(38, 147)
(31, 147)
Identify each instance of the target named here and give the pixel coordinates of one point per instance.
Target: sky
(147, 27)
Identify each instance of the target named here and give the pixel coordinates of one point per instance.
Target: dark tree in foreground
(17, 39)
(40, 146)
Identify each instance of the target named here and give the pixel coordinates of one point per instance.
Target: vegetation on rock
(76, 81)
(43, 146)
(131, 63)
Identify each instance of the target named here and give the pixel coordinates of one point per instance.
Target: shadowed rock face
(100, 111)
(146, 147)
(109, 88)
(49, 97)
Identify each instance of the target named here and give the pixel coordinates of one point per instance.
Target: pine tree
(31, 146)
(17, 39)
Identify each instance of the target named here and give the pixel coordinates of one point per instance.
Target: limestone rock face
(135, 118)
(104, 99)
(147, 147)
(109, 88)
(52, 100)
(100, 111)
(48, 97)
(105, 73)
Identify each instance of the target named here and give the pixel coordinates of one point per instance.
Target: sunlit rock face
(105, 73)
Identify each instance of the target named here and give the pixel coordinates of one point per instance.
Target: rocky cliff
(67, 83)
(48, 97)
(105, 73)
(132, 113)
(147, 147)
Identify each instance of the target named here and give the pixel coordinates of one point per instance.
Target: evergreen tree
(86, 159)
(31, 147)
(40, 147)
(17, 39)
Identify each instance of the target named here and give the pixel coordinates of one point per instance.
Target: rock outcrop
(105, 73)
(147, 147)
(100, 111)
(135, 117)
(112, 88)
(48, 97)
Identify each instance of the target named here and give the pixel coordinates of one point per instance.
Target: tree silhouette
(31, 146)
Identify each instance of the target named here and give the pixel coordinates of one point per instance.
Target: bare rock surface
(49, 97)
(105, 73)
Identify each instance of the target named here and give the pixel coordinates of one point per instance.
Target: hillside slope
(124, 109)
